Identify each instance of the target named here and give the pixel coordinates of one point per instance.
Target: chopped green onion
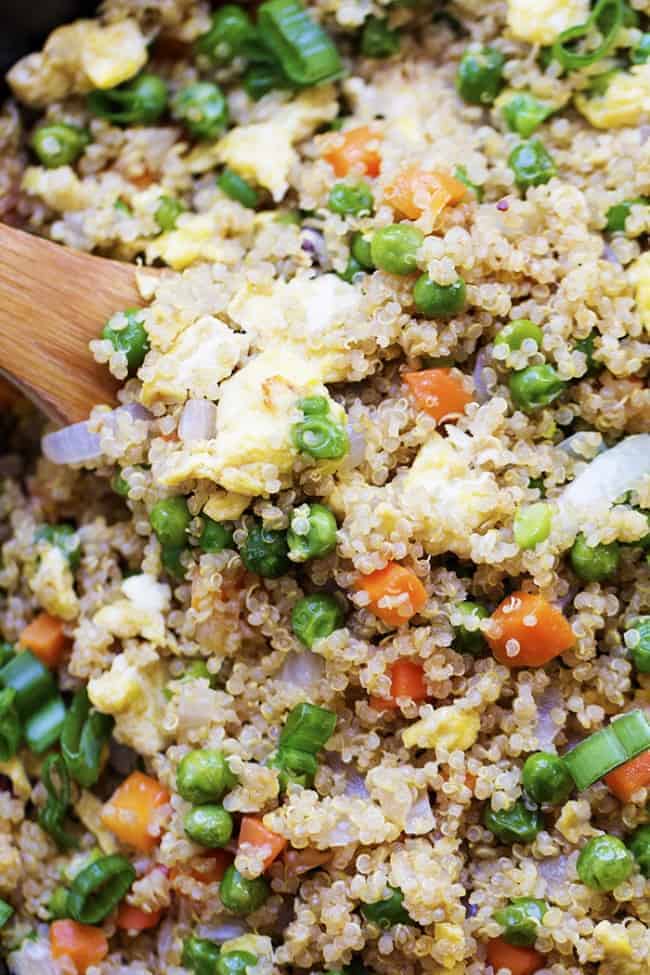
(65, 538)
(524, 113)
(607, 18)
(237, 188)
(305, 51)
(10, 730)
(52, 815)
(98, 888)
(6, 910)
(43, 728)
(58, 903)
(308, 728)
(633, 732)
(460, 173)
(7, 653)
(387, 912)
(594, 757)
(296, 767)
(31, 681)
(262, 78)
(85, 733)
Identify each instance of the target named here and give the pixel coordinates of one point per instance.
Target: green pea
(641, 53)
(460, 173)
(170, 520)
(202, 108)
(265, 552)
(200, 956)
(361, 251)
(518, 824)
(532, 524)
(546, 779)
(242, 895)
(535, 387)
(480, 75)
(394, 248)
(140, 100)
(263, 78)
(204, 776)
(604, 863)
(347, 198)
(586, 346)
(215, 536)
(171, 558)
(65, 538)
(439, 300)
(167, 212)
(296, 768)
(515, 333)
(531, 163)
(320, 539)
(230, 31)
(593, 563)
(316, 617)
(59, 144)
(618, 213)
(520, 920)
(524, 113)
(208, 825)
(235, 963)
(352, 268)
(377, 38)
(320, 437)
(640, 652)
(126, 333)
(387, 912)
(470, 641)
(639, 845)
(315, 405)
(237, 188)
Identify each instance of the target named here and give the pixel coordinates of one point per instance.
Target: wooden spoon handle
(53, 300)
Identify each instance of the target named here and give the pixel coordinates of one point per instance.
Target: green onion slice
(633, 732)
(10, 730)
(595, 757)
(43, 728)
(30, 679)
(6, 910)
(607, 18)
(98, 888)
(85, 732)
(307, 728)
(305, 51)
(51, 816)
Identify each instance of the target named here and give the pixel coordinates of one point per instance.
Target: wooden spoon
(53, 300)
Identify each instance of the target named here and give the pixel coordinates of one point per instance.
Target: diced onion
(480, 386)
(419, 819)
(76, 444)
(549, 700)
(198, 420)
(608, 477)
(227, 931)
(302, 669)
(356, 786)
(357, 452)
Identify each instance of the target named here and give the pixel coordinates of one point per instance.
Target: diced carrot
(400, 586)
(354, 149)
(414, 191)
(532, 629)
(628, 778)
(131, 811)
(439, 392)
(406, 680)
(253, 832)
(299, 862)
(82, 944)
(45, 638)
(520, 961)
(134, 919)
(470, 781)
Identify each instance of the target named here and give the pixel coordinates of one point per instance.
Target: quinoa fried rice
(475, 588)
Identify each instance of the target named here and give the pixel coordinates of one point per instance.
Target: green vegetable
(594, 563)
(59, 144)
(7, 653)
(304, 50)
(346, 198)
(170, 520)
(52, 815)
(515, 333)
(640, 652)
(119, 484)
(84, 735)
(296, 767)
(535, 387)
(43, 728)
(586, 346)
(460, 173)
(480, 75)
(319, 435)
(262, 78)
(230, 31)
(10, 729)
(204, 775)
(6, 911)
(172, 562)
(142, 99)
(30, 679)
(633, 731)
(524, 113)
(208, 825)
(518, 824)
(604, 863)
(202, 108)
(98, 888)
(470, 641)
(361, 251)
(308, 728)
(394, 248)
(439, 300)
(618, 213)
(123, 207)
(126, 333)
(623, 739)
(168, 211)
(641, 53)
(607, 18)
(57, 905)
(546, 779)
(320, 538)
(316, 617)
(265, 552)
(237, 188)
(378, 40)
(241, 895)
(352, 268)
(531, 163)
(388, 912)
(520, 920)
(532, 524)
(200, 956)
(65, 538)
(235, 963)
(215, 536)
(639, 845)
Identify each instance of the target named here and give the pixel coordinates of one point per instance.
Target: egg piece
(625, 101)
(198, 236)
(113, 53)
(226, 505)
(141, 613)
(450, 728)
(543, 21)
(134, 694)
(52, 583)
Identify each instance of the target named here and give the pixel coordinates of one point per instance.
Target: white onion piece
(341, 834)
(607, 477)
(219, 933)
(302, 669)
(546, 731)
(357, 452)
(198, 420)
(356, 786)
(578, 446)
(482, 394)
(554, 870)
(420, 816)
(72, 445)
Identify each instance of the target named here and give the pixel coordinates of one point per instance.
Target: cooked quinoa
(369, 528)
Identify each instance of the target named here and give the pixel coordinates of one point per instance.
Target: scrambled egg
(451, 937)
(89, 809)
(133, 692)
(60, 188)
(141, 613)
(53, 584)
(198, 236)
(226, 505)
(542, 21)
(625, 101)
(197, 361)
(614, 939)
(640, 276)
(15, 770)
(258, 945)
(450, 728)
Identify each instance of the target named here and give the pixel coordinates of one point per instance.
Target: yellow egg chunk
(625, 101)
(543, 21)
(113, 54)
